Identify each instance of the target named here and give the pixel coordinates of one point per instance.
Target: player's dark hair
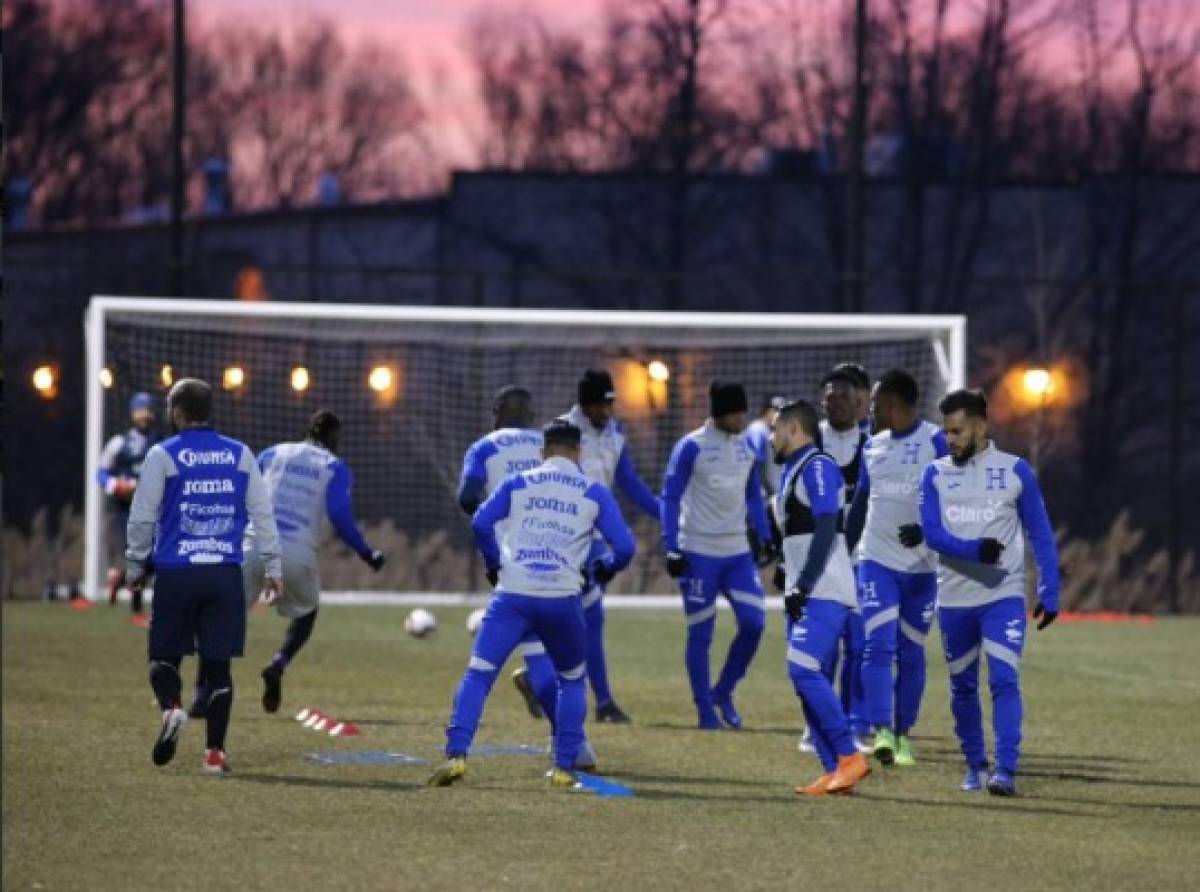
(971, 401)
(596, 386)
(561, 432)
(852, 372)
(193, 398)
(901, 385)
(805, 413)
(323, 427)
(842, 375)
(512, 406)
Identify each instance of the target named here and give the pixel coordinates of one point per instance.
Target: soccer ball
(420, 623)
(475, 620)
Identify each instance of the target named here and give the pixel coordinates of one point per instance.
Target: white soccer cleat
(173, 721)
(806, 744)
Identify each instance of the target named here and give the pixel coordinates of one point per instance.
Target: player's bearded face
(143, 420)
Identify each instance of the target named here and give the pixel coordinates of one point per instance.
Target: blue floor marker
(601, 787)
(503, 749)
(371, 757)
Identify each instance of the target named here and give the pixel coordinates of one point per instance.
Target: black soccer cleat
(522, 683)
(610, 712)
(173, 721)
(272, 696)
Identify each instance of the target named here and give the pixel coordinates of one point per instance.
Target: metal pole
(178, 112)
(853, 272)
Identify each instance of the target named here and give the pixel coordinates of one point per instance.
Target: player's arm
(262, 515)
(265, 458)
(936, 535)
(856, 517)
(108, 459)
(338, 503)
(616, 533)
(756, 510)
(1031, 508)
(822, 481)
(626, 477)
(675, 482)
(494, 509)
(473, 481)
(143, 514)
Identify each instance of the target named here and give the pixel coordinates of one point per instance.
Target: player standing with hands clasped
(975, 503)
(189, 514)
(820, 591)
(709, 490)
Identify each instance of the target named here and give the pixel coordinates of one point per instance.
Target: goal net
(413, 387)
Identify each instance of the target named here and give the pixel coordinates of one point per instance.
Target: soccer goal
(413, 386)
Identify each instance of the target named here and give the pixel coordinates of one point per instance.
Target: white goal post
(405, 429)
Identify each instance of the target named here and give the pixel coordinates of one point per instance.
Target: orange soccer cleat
(851, 769)
(819, 787)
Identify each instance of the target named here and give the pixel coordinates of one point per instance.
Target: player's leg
(853, 702)
(299, 605)
(172, 632)
(879, 600)
(536, 680)
(1003, 632)
(220, 637)
(607, 709)
(961, 646)
(560, 623)
(699, 589)
(501, 631)
(812, 639)
(917, 595)
(740, 583)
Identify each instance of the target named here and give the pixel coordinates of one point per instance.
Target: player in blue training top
(120, 467)
(606, 460)
(198, 489)
(513, 446)
(535, 534)
(310, 489)
(975, 505)
(896, 580)
(820, 591)
(709, 489)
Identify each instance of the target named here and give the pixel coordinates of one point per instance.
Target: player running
(513, 446)
(309, 487)
(896, 581)
(120, 468)
(187, 520)
(535, 533)
(820, 590)
(709, 490)
(605, 459)
(975, 503)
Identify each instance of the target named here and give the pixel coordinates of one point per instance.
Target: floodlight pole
(178, 112)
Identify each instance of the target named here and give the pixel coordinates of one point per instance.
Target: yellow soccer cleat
(453, 769)
(562, 779)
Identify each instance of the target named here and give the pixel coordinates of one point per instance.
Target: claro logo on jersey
(207, 487)
(190, 458)
(972, 513)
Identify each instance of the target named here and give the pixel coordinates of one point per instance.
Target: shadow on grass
(687, 780)
(321, 783)
(1083, 777)
(975, 802)
(1185, 807)
(682, 726)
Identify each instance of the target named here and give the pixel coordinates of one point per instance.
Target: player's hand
(989, 550)
(601, 573)
(123, 488)
(767, 552)
(375, 560)
(677, 564)
(272, 590)
(1046, 616)
(493, 575)
(793, 604)
(911, 535)
(779, 577)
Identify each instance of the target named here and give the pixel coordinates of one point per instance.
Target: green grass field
(1110, 786)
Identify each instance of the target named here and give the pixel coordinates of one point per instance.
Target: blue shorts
(198, 608)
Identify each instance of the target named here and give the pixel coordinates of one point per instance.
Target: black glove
(601, 573)
(493, 575)
(374, 559)
(767, 552)
(793, 604)
(677, 564)
(1046, 616)
(911, 535)
(779, 578)
(989, 550)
